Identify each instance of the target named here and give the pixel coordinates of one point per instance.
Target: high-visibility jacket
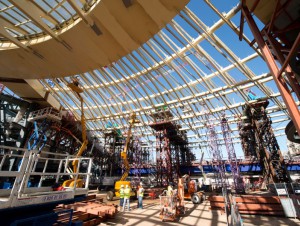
(122, 193)
(127, 192)
(170, 191)
(141, 192)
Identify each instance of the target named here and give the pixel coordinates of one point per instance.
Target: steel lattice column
(136, 161)
(167, 157)
(216, 154)
(235, 171)
(267, 148)
(159, 157)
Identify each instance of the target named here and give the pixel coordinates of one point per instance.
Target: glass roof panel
(194, 66)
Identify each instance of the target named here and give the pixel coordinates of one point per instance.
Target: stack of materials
(250, 204)
(217, 203)
(260, 205)
(90, 212)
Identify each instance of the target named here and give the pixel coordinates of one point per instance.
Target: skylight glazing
(193, 67)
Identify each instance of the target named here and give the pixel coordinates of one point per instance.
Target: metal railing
(236, 218)
(27, 177)
(48, 112)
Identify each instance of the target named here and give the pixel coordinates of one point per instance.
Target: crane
(110, 194)
(71, 182)
(132, 121)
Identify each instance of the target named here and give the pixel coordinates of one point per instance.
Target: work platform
(29, 178)
(172, 131)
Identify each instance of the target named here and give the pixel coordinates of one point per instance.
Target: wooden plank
(252, 212)
(217, 204)
(257, 199)
(259, 207)
(216, 198)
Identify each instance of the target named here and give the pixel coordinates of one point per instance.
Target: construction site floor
(195, 215)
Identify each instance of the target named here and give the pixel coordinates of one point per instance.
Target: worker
(140, 196)
(127, 192)
(251, 95)
(170, 190)
(121, 195)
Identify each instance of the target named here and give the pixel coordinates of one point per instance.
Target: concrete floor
(195, 215)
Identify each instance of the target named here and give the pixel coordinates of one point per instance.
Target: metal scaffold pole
(235, 171)
(216, 154)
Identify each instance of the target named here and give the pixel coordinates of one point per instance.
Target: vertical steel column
(216, 154)
(235, 171)
(247, 139)
(168, 157)
(137, 160)
(159, 161)
(266, 146)
(276, 73)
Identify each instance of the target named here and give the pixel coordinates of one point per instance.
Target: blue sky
(166, 77)
(241, 49)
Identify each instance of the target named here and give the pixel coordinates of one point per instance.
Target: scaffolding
(171, 147)
(258, 125)
(235, 171)
(136, 160)
(113, 145)
(216, 154)
(279, 42)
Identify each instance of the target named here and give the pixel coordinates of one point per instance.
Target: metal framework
(177, 70)
(190, 63)
(234, 166)
(258, 124)
(136, 160)
(13, 120)
(279, 42)
(171, 147)
(216, 154)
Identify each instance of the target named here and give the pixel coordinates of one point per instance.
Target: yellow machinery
(79, 183)
(122, 181)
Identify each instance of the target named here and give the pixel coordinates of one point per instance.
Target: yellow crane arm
(70, 183)
(84, 136)
(124, 152)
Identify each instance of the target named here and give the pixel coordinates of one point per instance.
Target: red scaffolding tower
(171, 147)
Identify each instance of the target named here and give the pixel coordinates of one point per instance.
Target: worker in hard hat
(140, 196)
(122, 192)
(127, 192)
(170, 190)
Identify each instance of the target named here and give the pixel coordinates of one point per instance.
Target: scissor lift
(27, 177)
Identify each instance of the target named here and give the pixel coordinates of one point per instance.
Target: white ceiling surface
(195, 66)
(62, 38)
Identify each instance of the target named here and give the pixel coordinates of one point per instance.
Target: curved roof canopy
(62, 38)
(191, 67)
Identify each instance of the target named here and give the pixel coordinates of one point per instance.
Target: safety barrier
(27, 177)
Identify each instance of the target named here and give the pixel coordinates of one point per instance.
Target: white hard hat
(141, 183)
(127, 186)
(122, 185)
